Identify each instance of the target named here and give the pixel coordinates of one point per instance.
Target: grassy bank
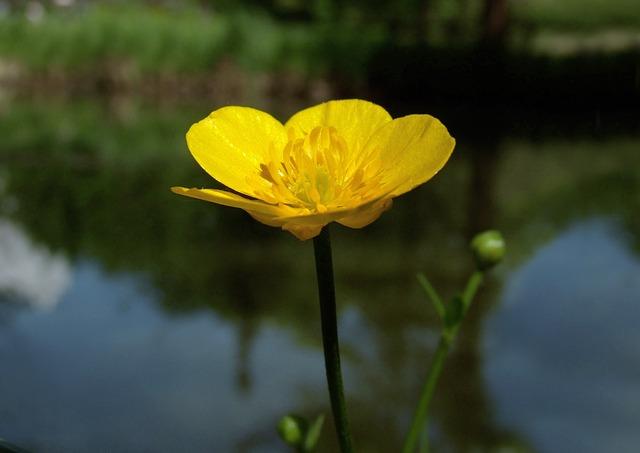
(140, 39)
(145, 40)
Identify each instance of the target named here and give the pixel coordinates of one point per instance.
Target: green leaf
(432, 294)
(313, 434)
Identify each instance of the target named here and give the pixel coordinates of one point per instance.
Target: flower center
(320, 172)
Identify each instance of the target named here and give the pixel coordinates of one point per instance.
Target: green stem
(326, 291)
(422, 411)
(446, 338)
(472, 287)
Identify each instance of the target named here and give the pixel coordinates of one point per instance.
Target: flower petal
(301, 230)
(299, 221)
(232, 142)
(412, 150)
(362, 218)
(308, 225)
(355, 120)
(231, 199)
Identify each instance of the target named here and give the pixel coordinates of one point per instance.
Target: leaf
(432, 294)
(313, 434)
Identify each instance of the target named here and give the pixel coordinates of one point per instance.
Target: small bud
(292, 429)
(488, 249)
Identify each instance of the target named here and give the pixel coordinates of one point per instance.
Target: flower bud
(488, 249)
(292, 429)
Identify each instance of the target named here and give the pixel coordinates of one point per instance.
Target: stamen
(319, 172)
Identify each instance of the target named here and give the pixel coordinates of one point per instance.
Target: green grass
(150, 39)
(142, 40)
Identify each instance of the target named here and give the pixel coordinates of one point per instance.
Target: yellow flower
(340, 161)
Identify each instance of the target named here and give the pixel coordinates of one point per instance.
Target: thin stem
(422, 411)
(447, 336)
(326, 291)
(472, 287)
(424, 441)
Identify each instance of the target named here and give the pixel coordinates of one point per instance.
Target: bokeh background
(135, 320)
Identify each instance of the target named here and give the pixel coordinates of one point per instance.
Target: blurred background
(135, 320)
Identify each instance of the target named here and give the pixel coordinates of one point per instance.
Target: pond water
(135, 320)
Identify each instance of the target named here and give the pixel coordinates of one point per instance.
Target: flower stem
(326, 291)
(472, 288)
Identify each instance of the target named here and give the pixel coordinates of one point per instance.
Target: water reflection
(184, 325)
(562, 359)
(130, 377)
(29, 273)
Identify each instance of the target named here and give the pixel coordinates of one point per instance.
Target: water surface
(135, 320)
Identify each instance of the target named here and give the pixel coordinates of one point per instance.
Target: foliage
(584, 15)
(93, 133)
(142, 40)
(313, 38)
(149, 39)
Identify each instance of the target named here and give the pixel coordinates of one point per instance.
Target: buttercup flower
(341, 161)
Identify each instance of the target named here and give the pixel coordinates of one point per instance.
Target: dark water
(135, 320)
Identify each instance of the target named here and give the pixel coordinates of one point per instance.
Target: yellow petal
(308, 225)
(412, 150)
(305, 224)
(232, 142)
(230, 199)
(302, 231)
(355, 120)
(364, 217)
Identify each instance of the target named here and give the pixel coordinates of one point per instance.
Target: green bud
(292, 429)
(488, 249)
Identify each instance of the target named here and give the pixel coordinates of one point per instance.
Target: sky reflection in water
(563, 363)
(108, 371)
